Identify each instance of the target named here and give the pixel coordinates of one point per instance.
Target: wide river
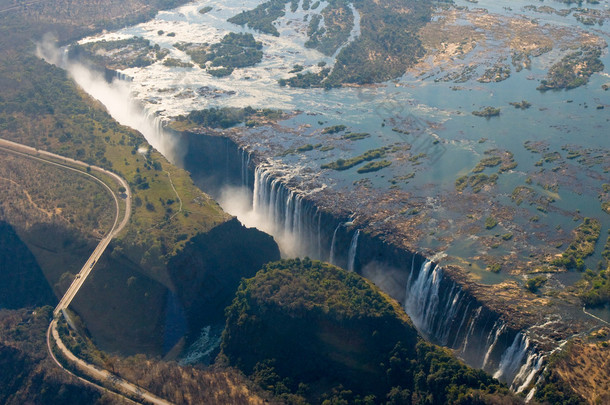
(432, 116)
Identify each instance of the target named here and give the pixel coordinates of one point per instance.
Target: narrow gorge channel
(442, 310)
(247, 186)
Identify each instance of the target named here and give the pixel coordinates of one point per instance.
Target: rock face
(207, 272)
(311, 324)
(128, 311)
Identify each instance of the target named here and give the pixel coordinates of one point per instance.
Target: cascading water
(245, 165)
(441, 309)
(282, 213)
(512, 358)
(353, 249)
(331, 258)
(496, 335)
(443, 312)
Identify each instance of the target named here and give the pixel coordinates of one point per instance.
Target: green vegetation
(490, 222)
(355, 136)
(171, 62)
(27, 374)
(224, 117)
(496, 73)
(235, 51)
(494, 267)
(119, 54)
(334, 129)
(221, 72)
(582, 246)
(387, 45)
(523, 105)
(374, 166)
(534, 283)
(476, 182)
(312, 333)
(338, 23)
(296, 68)
(262, 17)
(491, 161)
(595, 291)
(308, 79)
(305, 148)
(197, 52)
(461, 183)
(487, 112)
(573, 70)
(344, 164)
(595, 287)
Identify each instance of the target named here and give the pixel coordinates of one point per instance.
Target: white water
(331, 258)
(200, 350)
(498, 332)
(353, 249)
(513, 357)
(473, 321)
(117, 99)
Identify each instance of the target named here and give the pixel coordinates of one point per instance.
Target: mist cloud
(117, 99)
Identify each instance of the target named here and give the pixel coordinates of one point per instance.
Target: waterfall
(450, 314)
(493, 343)
(528, 371)
(331, 258)
(441, 309)
(319, 232)
(473, 321)
(459, 329)
(285, 214)
(512, 357)
(422, 297)
(434, 303)
(245, 166)
(351, 254)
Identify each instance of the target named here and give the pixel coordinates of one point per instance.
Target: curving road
(121, 387)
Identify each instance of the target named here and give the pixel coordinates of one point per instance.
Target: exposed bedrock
(444, 310)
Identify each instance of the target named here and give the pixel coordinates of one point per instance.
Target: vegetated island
(522, 105)
(573, 70)
(311, 332)
(388, 43)
(487, 112)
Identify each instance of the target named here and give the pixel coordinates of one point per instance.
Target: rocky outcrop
(308, 327)
(207, 272)
(129, 312)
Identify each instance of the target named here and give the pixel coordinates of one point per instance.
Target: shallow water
(438, 118)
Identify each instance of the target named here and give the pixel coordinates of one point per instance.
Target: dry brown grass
(457, 34)
(586, 367)
(189, 385)
(34, 192)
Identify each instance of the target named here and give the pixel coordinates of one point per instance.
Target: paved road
(116, 227)
(123, 387)
(120, 386)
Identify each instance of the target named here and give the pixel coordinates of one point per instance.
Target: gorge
(421, 237)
